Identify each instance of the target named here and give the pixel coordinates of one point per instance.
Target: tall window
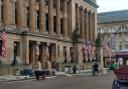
(16, 13)
(120, 45)
(37, 21)
(111, 29)
(54, 23)
(27, 16)
(123, 29)
(54, 4)
(61, 31)
(58, 51)
(47, 22)
(100, 30)
(37, 1)
(2, 12)
(46, 2)
(126, 44)
(17, 48)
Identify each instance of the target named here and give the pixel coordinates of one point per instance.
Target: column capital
(81, 8)
(89, 13)
(77, 5)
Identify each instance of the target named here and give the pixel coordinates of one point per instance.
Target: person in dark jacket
(74, 69)
(96, 66)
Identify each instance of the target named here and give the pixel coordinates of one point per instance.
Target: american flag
(89, 49)
(3, 37)
(84, 48)
(107, 50)
(93, 52)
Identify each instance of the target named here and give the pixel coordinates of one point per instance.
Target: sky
(112, 5)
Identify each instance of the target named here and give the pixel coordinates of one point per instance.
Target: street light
(65, 55)
(14, 51)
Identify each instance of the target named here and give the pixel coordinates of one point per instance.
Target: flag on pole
(90, 52)
(84, 48)
(107, 50)
(93, 53)
(3, 37)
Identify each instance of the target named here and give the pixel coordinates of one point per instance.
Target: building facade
(115, 25)
(41, 27)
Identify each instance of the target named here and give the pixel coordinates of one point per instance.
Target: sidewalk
(57, 73)
(17, 78)
(13, 78)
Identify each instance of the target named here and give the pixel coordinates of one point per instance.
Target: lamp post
(14, 52)
(65, 55)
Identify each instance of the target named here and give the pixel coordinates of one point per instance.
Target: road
(64, 82)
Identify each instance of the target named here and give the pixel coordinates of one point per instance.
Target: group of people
(39, 72)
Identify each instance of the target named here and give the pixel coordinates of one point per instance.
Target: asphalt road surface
(64, 82)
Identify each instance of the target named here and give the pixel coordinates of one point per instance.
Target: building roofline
(92, 3)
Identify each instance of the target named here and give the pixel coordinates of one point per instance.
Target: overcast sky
(112, 5)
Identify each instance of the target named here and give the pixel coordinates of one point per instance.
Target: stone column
(65, 17)
(90, 26)
(50, 16)
(32, 16)
(82, 23)
(20, 14)
(86, 26)
(6, 12)
(58, 17)
(42, 16)
(12, 12)
(94, 24)
(77, 15)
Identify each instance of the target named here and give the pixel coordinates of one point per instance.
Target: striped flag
(89, 49)
(93, 53)
(89, 52)
(107, 50)
(84, 48)
(3, 37)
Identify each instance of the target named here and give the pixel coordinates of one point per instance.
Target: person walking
(74, 69)
(96, 66)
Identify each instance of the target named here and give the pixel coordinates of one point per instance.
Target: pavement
(66, 81)
(57, 73)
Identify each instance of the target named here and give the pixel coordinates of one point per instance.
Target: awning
(122, 54)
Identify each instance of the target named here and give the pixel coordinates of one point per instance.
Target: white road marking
(26, 80)
(18, 81)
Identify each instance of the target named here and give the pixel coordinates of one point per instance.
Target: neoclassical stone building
(49, 23)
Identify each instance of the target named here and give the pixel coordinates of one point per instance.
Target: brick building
(115, 22)
(49, 23)
(114, 25)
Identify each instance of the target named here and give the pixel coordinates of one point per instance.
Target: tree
(75, 35)
(75, 40)
(98, 41)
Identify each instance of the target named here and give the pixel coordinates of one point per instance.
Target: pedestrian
(96, 66)
(74, 68)
(38, 71)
